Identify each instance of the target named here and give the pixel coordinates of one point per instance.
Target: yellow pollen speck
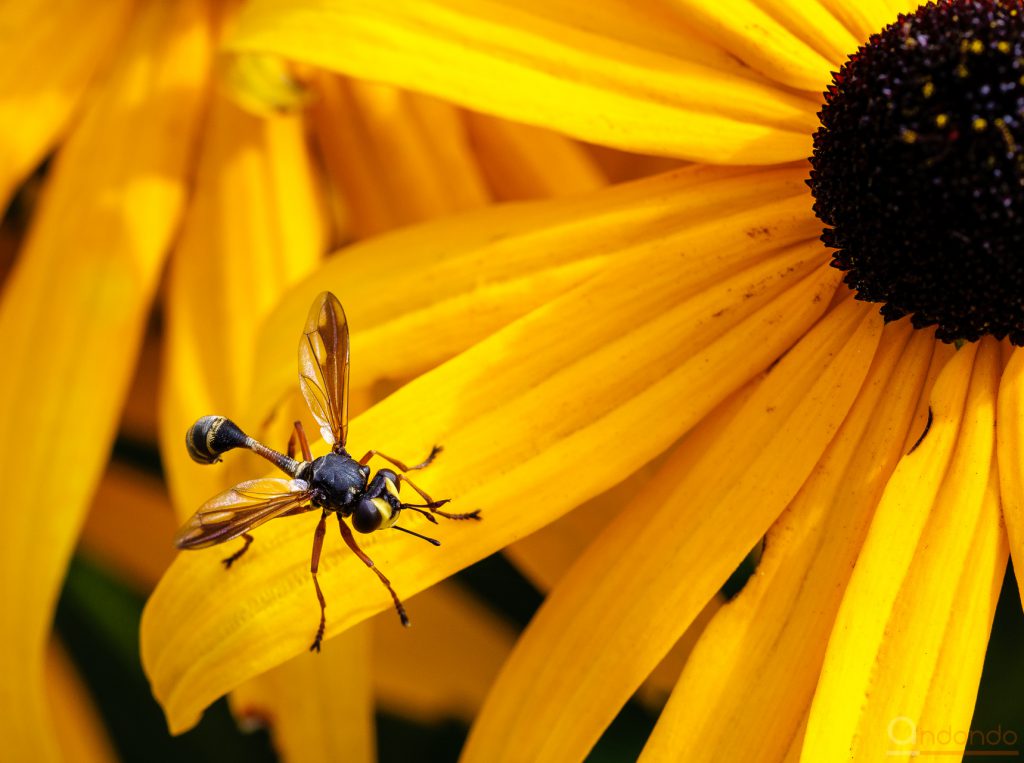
(1003, 46)
(909, 136)
(960, 71)
(979, 123)
(977, 46)
(942, 120)
(928, 89)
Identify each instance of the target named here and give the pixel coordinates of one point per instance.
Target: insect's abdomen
(212, 435)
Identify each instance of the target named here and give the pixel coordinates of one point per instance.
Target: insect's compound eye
(366, 518)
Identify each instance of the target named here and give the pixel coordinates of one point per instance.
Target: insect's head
(374, 514)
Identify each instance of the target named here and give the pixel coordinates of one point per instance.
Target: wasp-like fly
(335, 482)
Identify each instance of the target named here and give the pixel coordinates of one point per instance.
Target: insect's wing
(238, 510)
(323, 367)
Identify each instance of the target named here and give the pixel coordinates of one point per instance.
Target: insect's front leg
(350, 541)
(433, 505)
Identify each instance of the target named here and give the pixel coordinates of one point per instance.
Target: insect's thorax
(337, 482)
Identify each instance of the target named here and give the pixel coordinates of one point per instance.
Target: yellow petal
(80, 730)
(319, 707)
(865, 17)
(765, 647)
(443, 667)
(498, 264)
(633, 355)
(397, 157)
(524, 162)
(656, 689)
(72, 316)
(796, 44)
(883, 653)
(254, 227)
(589, 75)
(51, 52)
(1010, 433)
(547, 554)
(622, 166)
(954, 689)
(636, 589)
(139, 417)
(263, 85)
(130, 527)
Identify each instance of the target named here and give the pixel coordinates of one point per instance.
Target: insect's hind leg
(433, 505)
(227, 562)
(314, 565)
(299, 434)
(398, 464)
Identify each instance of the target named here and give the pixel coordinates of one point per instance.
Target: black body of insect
(335, 482)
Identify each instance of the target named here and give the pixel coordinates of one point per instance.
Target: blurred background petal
(74, 309)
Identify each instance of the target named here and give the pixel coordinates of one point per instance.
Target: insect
(335, 482)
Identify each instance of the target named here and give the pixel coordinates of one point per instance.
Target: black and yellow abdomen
(212, 435)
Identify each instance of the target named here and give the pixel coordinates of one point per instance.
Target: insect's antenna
(428, 540)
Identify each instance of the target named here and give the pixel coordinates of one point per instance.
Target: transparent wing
(323, 367)
(243, 507)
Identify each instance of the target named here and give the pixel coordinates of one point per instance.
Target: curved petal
(72, 315)
(636, 589)
(951, 698)
(590, 75)
(397, 157)
(51, 52)
(525, 162)
(130, 527)
(80, 730)
(882, 657)
(498, 264)
(443, 667)
(794, 43)
(633, 354)
(765, 647)
(1010, 433)
(550, 552)
(865, 17)
(319, 707)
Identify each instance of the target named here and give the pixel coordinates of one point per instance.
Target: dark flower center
(918, 169)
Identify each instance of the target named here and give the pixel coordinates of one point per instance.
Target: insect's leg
(350, 541)
(314, 565)
(234, 557)
(432, 504)
(398, 464)
(299, 434)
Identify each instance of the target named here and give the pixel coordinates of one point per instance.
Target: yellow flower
(696, 305)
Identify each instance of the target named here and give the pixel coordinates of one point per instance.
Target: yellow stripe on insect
(387, 519)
